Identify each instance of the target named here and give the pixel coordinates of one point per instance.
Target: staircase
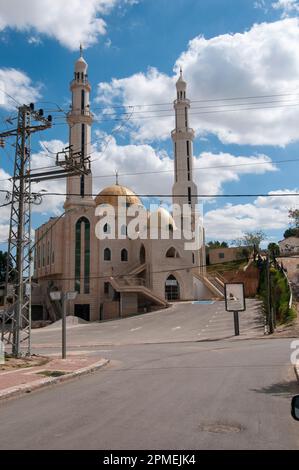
(136, 285)
(215, 283)
(137, 269)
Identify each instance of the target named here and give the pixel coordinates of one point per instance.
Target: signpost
(235, 301)
(64, 297)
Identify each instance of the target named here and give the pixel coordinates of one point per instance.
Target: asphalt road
(195, 394)
(182, 322)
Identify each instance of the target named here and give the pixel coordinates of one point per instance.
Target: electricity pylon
(20, 252)
(19, 256)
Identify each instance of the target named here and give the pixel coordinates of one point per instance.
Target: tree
(291, 232)
(251, 240)
(217, 244)
(294, 216)
(274, 250)
(3, 261)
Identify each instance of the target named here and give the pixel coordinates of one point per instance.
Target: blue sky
(228, 49)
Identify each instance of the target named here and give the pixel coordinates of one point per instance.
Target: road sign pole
(236, 323)
(64, 301)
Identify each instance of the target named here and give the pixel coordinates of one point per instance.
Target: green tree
(294, 216)
(291, 232)
(273, 249)
(3, 261)
(217, 244)
(251, 240)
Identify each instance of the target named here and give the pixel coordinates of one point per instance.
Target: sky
(240, 59)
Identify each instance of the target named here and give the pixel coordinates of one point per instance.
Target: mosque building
(121, 275)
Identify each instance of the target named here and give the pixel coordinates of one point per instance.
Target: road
(186, 394)
(182, 322)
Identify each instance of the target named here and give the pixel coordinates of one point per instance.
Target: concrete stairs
(136, 285)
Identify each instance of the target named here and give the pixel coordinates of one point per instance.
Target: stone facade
(119, 276)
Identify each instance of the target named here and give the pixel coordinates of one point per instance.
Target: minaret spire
(79, 188)
(184, 189)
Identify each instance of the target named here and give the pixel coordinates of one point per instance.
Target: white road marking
(176, 328)
(135, 329)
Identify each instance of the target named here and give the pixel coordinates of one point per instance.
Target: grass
(228, 266)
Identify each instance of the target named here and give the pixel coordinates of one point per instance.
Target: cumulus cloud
(16, 87)
(287, 6)
(264, 213)
(155, 169)
(259, 62)
(70, 22)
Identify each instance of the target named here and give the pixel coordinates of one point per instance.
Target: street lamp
(64, 297)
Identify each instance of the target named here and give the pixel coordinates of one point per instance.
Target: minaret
(79, 188)
(184, 190)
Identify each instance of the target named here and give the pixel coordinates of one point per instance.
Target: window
(188, 167)
(193, 258)
(82, 101)
(44, 254)
(107, 229)
(106, 287)
(38, 257)
(53, 257)
(124, 255)
(82, 224)
(221, 255)
(172, 253)
(48, 254)
(186, 117)
(107, 254)
(82, 186)
(83, 139)
(189, 196)
(188, 148)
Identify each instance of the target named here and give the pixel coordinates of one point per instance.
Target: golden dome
(111, 194)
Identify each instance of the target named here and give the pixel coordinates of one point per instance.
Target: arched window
(107, 229)
(193, 258)
(142, 255)
(107, 254)
(124, 255)
(82, 224)
(172, 253)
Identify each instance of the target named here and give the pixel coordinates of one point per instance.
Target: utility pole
(20, 252)
(19, 259)
(269, 303)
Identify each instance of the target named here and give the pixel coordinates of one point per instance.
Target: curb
(41, 383)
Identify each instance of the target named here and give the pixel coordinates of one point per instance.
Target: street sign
(234, 297)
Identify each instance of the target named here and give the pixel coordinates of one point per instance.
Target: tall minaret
(79, 188)
(184, 190)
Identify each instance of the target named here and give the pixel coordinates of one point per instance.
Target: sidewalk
(51, 370)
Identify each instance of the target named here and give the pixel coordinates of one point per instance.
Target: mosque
(120, 275)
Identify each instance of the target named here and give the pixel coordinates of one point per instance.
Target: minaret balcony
(185, 133)
(183, 101)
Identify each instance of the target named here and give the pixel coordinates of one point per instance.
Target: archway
(172, 288)
(142, 255)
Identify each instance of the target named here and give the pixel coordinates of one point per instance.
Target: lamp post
(64, 297)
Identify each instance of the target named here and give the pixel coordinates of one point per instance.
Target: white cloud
(34, 40)
(287, 6)
(16, 88)
(258, 62)
(70, 22)
(211, 171)
(264, 213)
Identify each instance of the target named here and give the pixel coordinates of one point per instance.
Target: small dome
(81, 65)
(181, 84)
(111, 194)
(162, 219)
